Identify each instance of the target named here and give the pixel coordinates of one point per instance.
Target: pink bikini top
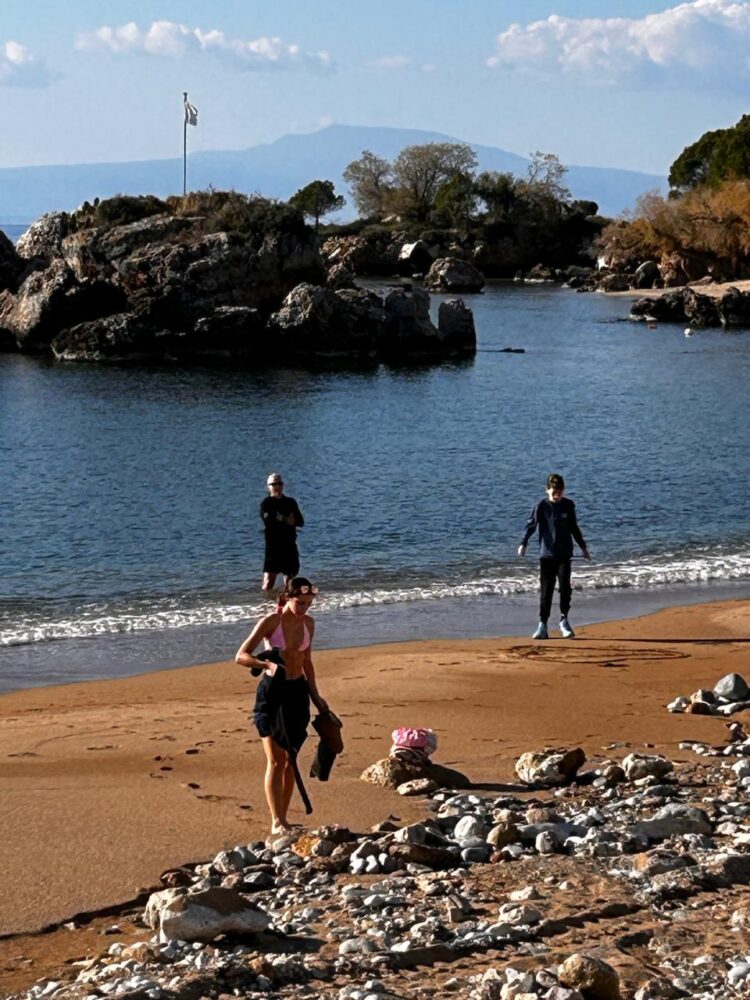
(278, 641)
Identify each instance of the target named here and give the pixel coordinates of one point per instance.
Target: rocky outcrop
(11, 264)
(42, 241)
(456, 327)
(414, 258)
(668, 308)
(647, 275)
(165, 278)
(734, 308)
(172, 286)
(686, 305)
(452, 274)
(319, 322)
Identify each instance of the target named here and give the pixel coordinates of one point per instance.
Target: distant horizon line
(324, 128)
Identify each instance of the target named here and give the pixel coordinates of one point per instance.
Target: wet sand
(106, 784)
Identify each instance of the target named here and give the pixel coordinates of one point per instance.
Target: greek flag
(191, 113)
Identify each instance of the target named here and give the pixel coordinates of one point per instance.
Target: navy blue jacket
(557, 526)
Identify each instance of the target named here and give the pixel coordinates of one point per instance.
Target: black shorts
(281, 559)
(282, 709)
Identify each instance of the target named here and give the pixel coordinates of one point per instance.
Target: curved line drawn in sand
(603, 656)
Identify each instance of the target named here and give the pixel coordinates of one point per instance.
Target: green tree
(717, 156)
(547, 175)
(455, 200)
(369, 178)
(420, 171)
(316, 199)
(498, 192)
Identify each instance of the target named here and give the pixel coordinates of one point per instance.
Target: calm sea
(129, 496)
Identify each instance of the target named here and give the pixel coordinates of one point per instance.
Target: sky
(625, 83)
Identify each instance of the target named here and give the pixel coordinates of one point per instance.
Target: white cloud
(705, 42)
(398, 62)
(167, 38)
(19, 68)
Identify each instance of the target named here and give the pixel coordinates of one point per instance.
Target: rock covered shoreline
(192, 284)
(627, 878)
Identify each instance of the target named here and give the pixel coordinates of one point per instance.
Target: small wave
(101, 619)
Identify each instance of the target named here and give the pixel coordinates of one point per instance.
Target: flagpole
(184, 144)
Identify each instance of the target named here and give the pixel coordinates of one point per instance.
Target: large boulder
(317, 321)
(179, 915)
(414, 258)
(551, 766)
(667, 308)
(641, 765)
(452, 274)
(51, 300)
(701, 310)
(734, 308)
(43, 239)
(223, 332)
(647, 275)
(617, 281)
(733, 687)
(456, 327)
(592, 977)
(674, 819)
(409, 331)
(394, 771)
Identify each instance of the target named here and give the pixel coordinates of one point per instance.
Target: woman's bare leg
(269, 581)
(277, 761)
(288, 785)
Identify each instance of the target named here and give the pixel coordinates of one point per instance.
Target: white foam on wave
(99, 619)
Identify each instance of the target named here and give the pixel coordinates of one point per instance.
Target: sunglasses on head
(305, 590)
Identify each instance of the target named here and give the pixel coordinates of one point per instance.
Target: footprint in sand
(190, 784)
(192, 750)
(104, 746)
(23, 753)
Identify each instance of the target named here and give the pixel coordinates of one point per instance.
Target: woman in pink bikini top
(282, 702)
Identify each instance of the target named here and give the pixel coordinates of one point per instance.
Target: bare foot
(278, 827)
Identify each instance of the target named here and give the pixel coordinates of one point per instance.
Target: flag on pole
(191, 113)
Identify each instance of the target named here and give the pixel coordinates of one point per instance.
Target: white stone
(202, 916)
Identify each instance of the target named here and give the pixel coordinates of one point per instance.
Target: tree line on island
(219, 273)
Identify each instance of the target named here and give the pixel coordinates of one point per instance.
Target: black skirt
(282, 710)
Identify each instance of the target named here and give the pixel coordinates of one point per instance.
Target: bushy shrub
(711, 222)
(120, 210)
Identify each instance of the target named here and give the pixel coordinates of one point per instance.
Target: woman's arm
(320, 703)
(261, 631)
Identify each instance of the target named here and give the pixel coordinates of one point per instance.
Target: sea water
(129, 495)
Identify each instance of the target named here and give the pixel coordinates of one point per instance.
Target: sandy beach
(715, 289)
(106, 784)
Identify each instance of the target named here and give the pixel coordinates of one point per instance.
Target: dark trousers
(549, 571)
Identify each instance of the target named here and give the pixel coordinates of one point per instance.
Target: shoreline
(139, 774)
(89, 659)
(716, 289)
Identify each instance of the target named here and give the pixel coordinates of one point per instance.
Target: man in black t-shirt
(281, 517)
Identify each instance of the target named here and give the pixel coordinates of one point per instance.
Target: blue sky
(616, 83)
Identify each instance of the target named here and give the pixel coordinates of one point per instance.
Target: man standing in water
(281, 517)
(555, 519)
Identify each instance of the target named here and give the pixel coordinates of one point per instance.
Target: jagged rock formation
(140, 280)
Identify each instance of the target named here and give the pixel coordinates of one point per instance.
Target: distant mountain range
(277, 170)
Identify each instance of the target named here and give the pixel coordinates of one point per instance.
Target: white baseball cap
(274, 478)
